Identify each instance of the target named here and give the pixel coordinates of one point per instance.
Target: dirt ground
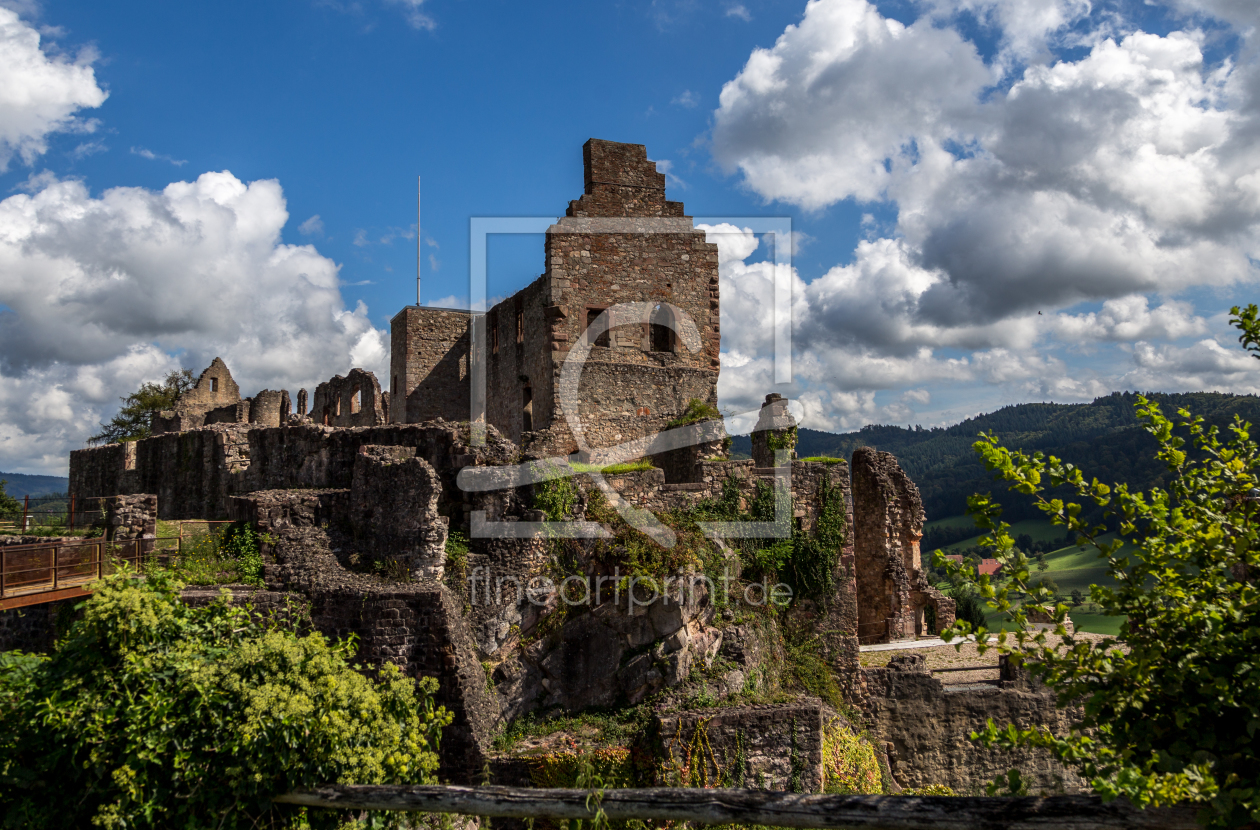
(949, 657)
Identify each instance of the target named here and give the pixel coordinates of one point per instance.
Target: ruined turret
(775, 430)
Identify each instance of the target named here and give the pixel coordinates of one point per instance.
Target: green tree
(1175, 716)
(132, 421)
(8, 504)
(152, 713)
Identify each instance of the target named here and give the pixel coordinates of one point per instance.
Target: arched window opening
(661, 334)
(356, 400)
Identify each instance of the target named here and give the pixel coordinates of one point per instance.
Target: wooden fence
(757, 807)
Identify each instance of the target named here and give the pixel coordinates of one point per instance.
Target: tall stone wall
(892, 589)
(622, 242)
(518, 361)
(429, 365)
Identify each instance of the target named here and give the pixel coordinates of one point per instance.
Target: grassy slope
(1069, 567)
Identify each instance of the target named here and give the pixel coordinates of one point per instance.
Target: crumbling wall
(892, 589)
(928, 725)
(768, 746)
(270, 408)
(418, 626)
(193, 473)
(352, 401)
(775, 430)
(394, 508)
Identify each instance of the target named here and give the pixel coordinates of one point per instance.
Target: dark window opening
(214, 384)
(592, 314)
(356, 400)
(326, 417)
(661, 336)
(520, 326)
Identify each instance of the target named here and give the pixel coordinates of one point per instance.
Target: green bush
(151, 713)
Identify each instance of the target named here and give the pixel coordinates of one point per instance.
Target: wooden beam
(729, 806)
(41, 597)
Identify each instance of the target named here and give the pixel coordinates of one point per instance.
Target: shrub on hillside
(151, 713)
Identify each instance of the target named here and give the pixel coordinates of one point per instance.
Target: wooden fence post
(26, 509)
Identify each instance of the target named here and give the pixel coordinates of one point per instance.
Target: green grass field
(1071, 568)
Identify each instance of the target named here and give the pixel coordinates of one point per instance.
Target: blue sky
(188, 180)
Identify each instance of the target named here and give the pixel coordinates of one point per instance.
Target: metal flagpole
(417, 242)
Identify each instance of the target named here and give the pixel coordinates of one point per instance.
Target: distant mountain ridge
(20, 484)
(1102, 437)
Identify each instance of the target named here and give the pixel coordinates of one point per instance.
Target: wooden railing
(757, 807)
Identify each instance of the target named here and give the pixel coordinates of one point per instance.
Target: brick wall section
(428, 365)
(928, 724)
(351, 401)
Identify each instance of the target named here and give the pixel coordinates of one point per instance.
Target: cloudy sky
(994, 201)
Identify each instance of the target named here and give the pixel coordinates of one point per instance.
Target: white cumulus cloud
(99, 292)
(39, 95)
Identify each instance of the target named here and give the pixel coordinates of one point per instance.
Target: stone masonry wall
(193, 473)
(419, 625)
(775, 742)
(351, 401)
(394, 508)
(429, 365)
(928, 725)
(887, 528)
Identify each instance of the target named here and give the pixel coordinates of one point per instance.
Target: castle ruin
(359, 495)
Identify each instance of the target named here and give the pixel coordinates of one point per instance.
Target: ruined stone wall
(518, 358)
(351, 401)
(233, 413)
(887, 528)
(429, 365)
(928, 725)
(765, 737)
(270, 408)
(214, 388)
(194, 473)
(394, 508)
(418, 626)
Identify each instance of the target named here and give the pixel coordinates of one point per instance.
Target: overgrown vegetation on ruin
(1175, 715)
(154, 713)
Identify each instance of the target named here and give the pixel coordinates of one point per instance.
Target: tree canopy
(1172, 708)
(132, 421)
(153, 713)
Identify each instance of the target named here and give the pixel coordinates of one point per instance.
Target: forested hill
(1103, 438)
(20, 484)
